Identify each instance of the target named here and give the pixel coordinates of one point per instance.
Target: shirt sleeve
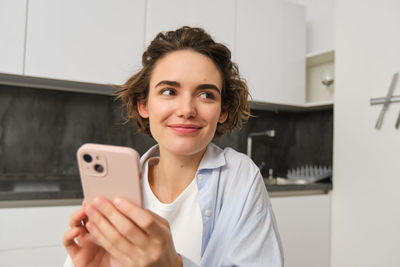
(254, 240)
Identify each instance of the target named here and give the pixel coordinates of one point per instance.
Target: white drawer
(33, 227)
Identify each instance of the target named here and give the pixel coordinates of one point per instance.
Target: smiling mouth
(185, 128)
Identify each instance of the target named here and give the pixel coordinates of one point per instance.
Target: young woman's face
(184, 102)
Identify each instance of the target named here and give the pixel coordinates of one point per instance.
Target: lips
(185, 128)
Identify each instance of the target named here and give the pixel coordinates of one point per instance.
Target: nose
(186, 107)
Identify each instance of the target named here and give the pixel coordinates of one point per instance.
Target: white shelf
(321, 57)
(318, 58)
(318, 94)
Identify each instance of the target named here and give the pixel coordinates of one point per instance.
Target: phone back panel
(109, 171)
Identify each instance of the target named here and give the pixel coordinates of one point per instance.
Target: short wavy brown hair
(234, 89)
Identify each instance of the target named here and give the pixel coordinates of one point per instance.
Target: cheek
(159, 112)
(212, 113)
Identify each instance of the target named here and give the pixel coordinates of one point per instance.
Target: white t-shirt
(183, 215)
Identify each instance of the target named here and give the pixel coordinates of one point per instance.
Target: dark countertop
(323, 186)
(40, 189)
(71, 189)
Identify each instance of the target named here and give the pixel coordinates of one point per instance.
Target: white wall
(366, 198)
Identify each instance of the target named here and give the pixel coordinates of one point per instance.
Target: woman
(202, 206)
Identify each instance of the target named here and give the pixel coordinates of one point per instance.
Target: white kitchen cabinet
(270, 50)
(43, 256)
(320, 17)
(304, 226)
(12, 37)
(216, 17)
(320, 39)
(33, 236)
(88, 41)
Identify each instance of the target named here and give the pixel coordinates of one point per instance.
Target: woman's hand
(131, 235)
(82, 249)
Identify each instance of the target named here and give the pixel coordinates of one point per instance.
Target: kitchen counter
(67, 191)
(298, 189)
(42, 191)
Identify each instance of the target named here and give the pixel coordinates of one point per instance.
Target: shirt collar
(154, 151)
(213, 157)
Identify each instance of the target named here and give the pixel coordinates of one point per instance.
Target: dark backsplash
(302, 138)
(40, 131)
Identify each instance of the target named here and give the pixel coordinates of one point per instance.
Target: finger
(154, 226)
(69, 240)
(124, 225)
(106, 234)
(160, 219)
(111, 248)
(83, 237)
(76, 218)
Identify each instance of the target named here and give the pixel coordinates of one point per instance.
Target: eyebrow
(199, 87)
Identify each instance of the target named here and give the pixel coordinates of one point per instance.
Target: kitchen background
(42, 129)
(54, 97)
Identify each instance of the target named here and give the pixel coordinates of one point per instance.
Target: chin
(187, 147)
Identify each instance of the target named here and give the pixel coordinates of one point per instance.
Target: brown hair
(234, 89)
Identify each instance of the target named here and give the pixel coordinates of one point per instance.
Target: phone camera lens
(98, 168)
(87, 158)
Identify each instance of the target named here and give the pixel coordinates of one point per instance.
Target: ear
(142, 108)
(223, 117)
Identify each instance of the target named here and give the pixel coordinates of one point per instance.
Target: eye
(207, 95)
(168, 91)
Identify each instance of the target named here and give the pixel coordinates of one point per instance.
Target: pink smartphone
(109, 171)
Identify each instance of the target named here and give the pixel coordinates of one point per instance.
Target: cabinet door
(33, 227)
(95, 41)
(12, 37)
(270, 46)
(49, 256)
(33, 236)
(320, 26)
(304, 226)
(216, 17)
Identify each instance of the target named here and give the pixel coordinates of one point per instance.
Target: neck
(173, 173)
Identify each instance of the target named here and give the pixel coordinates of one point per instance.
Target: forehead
(186, 67)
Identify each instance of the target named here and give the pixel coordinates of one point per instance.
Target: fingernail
(89, 226)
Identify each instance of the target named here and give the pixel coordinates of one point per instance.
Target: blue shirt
(239, 227)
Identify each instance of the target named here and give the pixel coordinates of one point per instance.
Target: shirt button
(200, 176)
(207, 213)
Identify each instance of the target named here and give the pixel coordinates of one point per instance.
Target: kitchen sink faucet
(269, 133)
